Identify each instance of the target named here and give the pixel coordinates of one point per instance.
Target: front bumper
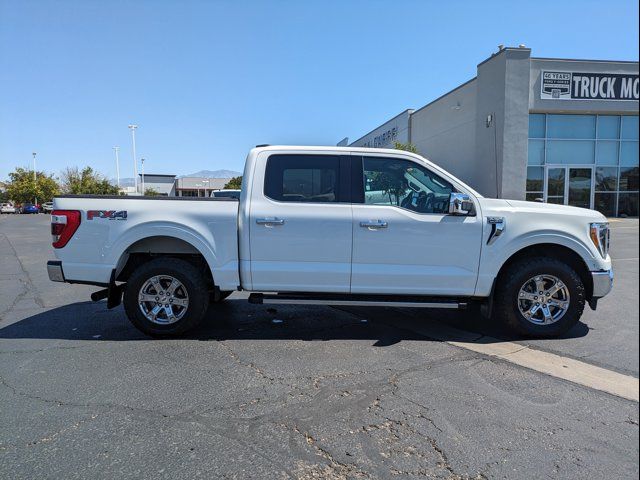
(54, 269)
(602, 283)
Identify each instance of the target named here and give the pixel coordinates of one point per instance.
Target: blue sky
(207, 80)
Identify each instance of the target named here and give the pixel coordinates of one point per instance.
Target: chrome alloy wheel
(543, 299)
(163, 299)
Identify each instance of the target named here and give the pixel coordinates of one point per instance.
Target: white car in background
(7, 208)
(47, 207)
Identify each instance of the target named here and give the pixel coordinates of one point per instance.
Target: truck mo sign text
(589, 86)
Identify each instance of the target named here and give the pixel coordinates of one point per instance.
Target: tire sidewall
(192, 281)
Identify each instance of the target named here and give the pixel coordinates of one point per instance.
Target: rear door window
(304, 179)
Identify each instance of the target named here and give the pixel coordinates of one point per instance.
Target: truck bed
(112, 227)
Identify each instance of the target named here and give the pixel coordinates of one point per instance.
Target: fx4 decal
(110, 214)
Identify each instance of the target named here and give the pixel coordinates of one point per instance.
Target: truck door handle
(270, 221)
(374, 224)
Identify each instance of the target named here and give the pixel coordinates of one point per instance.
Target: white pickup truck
(335, 226)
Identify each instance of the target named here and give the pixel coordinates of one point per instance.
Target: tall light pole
(135, 161)
(117, 149)
(142, 162)
(35, 180)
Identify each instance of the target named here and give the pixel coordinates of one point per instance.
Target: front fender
(493, 257)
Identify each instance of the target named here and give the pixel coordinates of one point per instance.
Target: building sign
(588, 86)
(383, 139)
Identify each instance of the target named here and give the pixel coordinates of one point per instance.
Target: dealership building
(547, 129)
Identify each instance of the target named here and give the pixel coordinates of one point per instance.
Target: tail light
(64, 224)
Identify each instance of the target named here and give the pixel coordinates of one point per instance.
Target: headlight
(599, 233)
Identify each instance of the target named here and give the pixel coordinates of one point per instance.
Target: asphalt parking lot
(319, 393)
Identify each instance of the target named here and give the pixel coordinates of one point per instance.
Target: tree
(151, 192)
(86, 182)
(234, 184)
(407, 147)
(22, 187)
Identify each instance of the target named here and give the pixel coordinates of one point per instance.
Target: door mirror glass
(460, 204)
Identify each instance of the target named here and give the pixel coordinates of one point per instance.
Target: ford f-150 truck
(335, 226)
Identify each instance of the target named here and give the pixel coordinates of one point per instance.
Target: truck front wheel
(166, 297)
(539, 297)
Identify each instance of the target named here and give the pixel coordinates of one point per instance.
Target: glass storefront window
(609, 127)
(607, 152)
(536, 152)
(535, 176)
(605, 203)
(536, 125)
(535, 197)
(608, 141)
(570, 152)
(628, 154)
(628, 205)
(629, 179)
(607, 179)
(571, 126)
(629, 127)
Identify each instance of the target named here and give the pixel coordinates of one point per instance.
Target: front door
(570, 186)
(404, 242)
(300, 225)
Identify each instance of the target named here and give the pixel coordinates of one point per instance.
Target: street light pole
(117, 149)
(135, 161)
(142, 161)
(35, 180)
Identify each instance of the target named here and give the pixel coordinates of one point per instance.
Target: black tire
(194, 283)
(221, 297)
(507, 299)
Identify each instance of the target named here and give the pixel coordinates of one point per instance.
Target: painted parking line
(575, 371)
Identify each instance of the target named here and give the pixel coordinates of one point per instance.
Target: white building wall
(444, 131)
(385, 136)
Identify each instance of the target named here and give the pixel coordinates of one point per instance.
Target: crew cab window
(405, 184)
(302, 178)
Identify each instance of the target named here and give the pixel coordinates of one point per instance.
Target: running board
(356, 301)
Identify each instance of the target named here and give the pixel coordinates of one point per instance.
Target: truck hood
(491, 206)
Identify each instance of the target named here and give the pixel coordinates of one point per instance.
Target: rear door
(404, 241)
(301, 224)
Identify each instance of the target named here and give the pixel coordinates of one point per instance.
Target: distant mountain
(213, 174)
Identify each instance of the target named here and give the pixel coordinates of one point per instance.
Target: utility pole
(35, 180)
(117, 149)
(142, 161)
(135, 161)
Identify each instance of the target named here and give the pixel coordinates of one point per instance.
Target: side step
(356, 300)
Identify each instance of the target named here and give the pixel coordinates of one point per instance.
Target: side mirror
(460, 204)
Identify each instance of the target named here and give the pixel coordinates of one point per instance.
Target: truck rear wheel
(539, 297)
(166, 297)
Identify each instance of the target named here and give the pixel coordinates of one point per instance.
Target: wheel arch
(557, 251)
(147, 248)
